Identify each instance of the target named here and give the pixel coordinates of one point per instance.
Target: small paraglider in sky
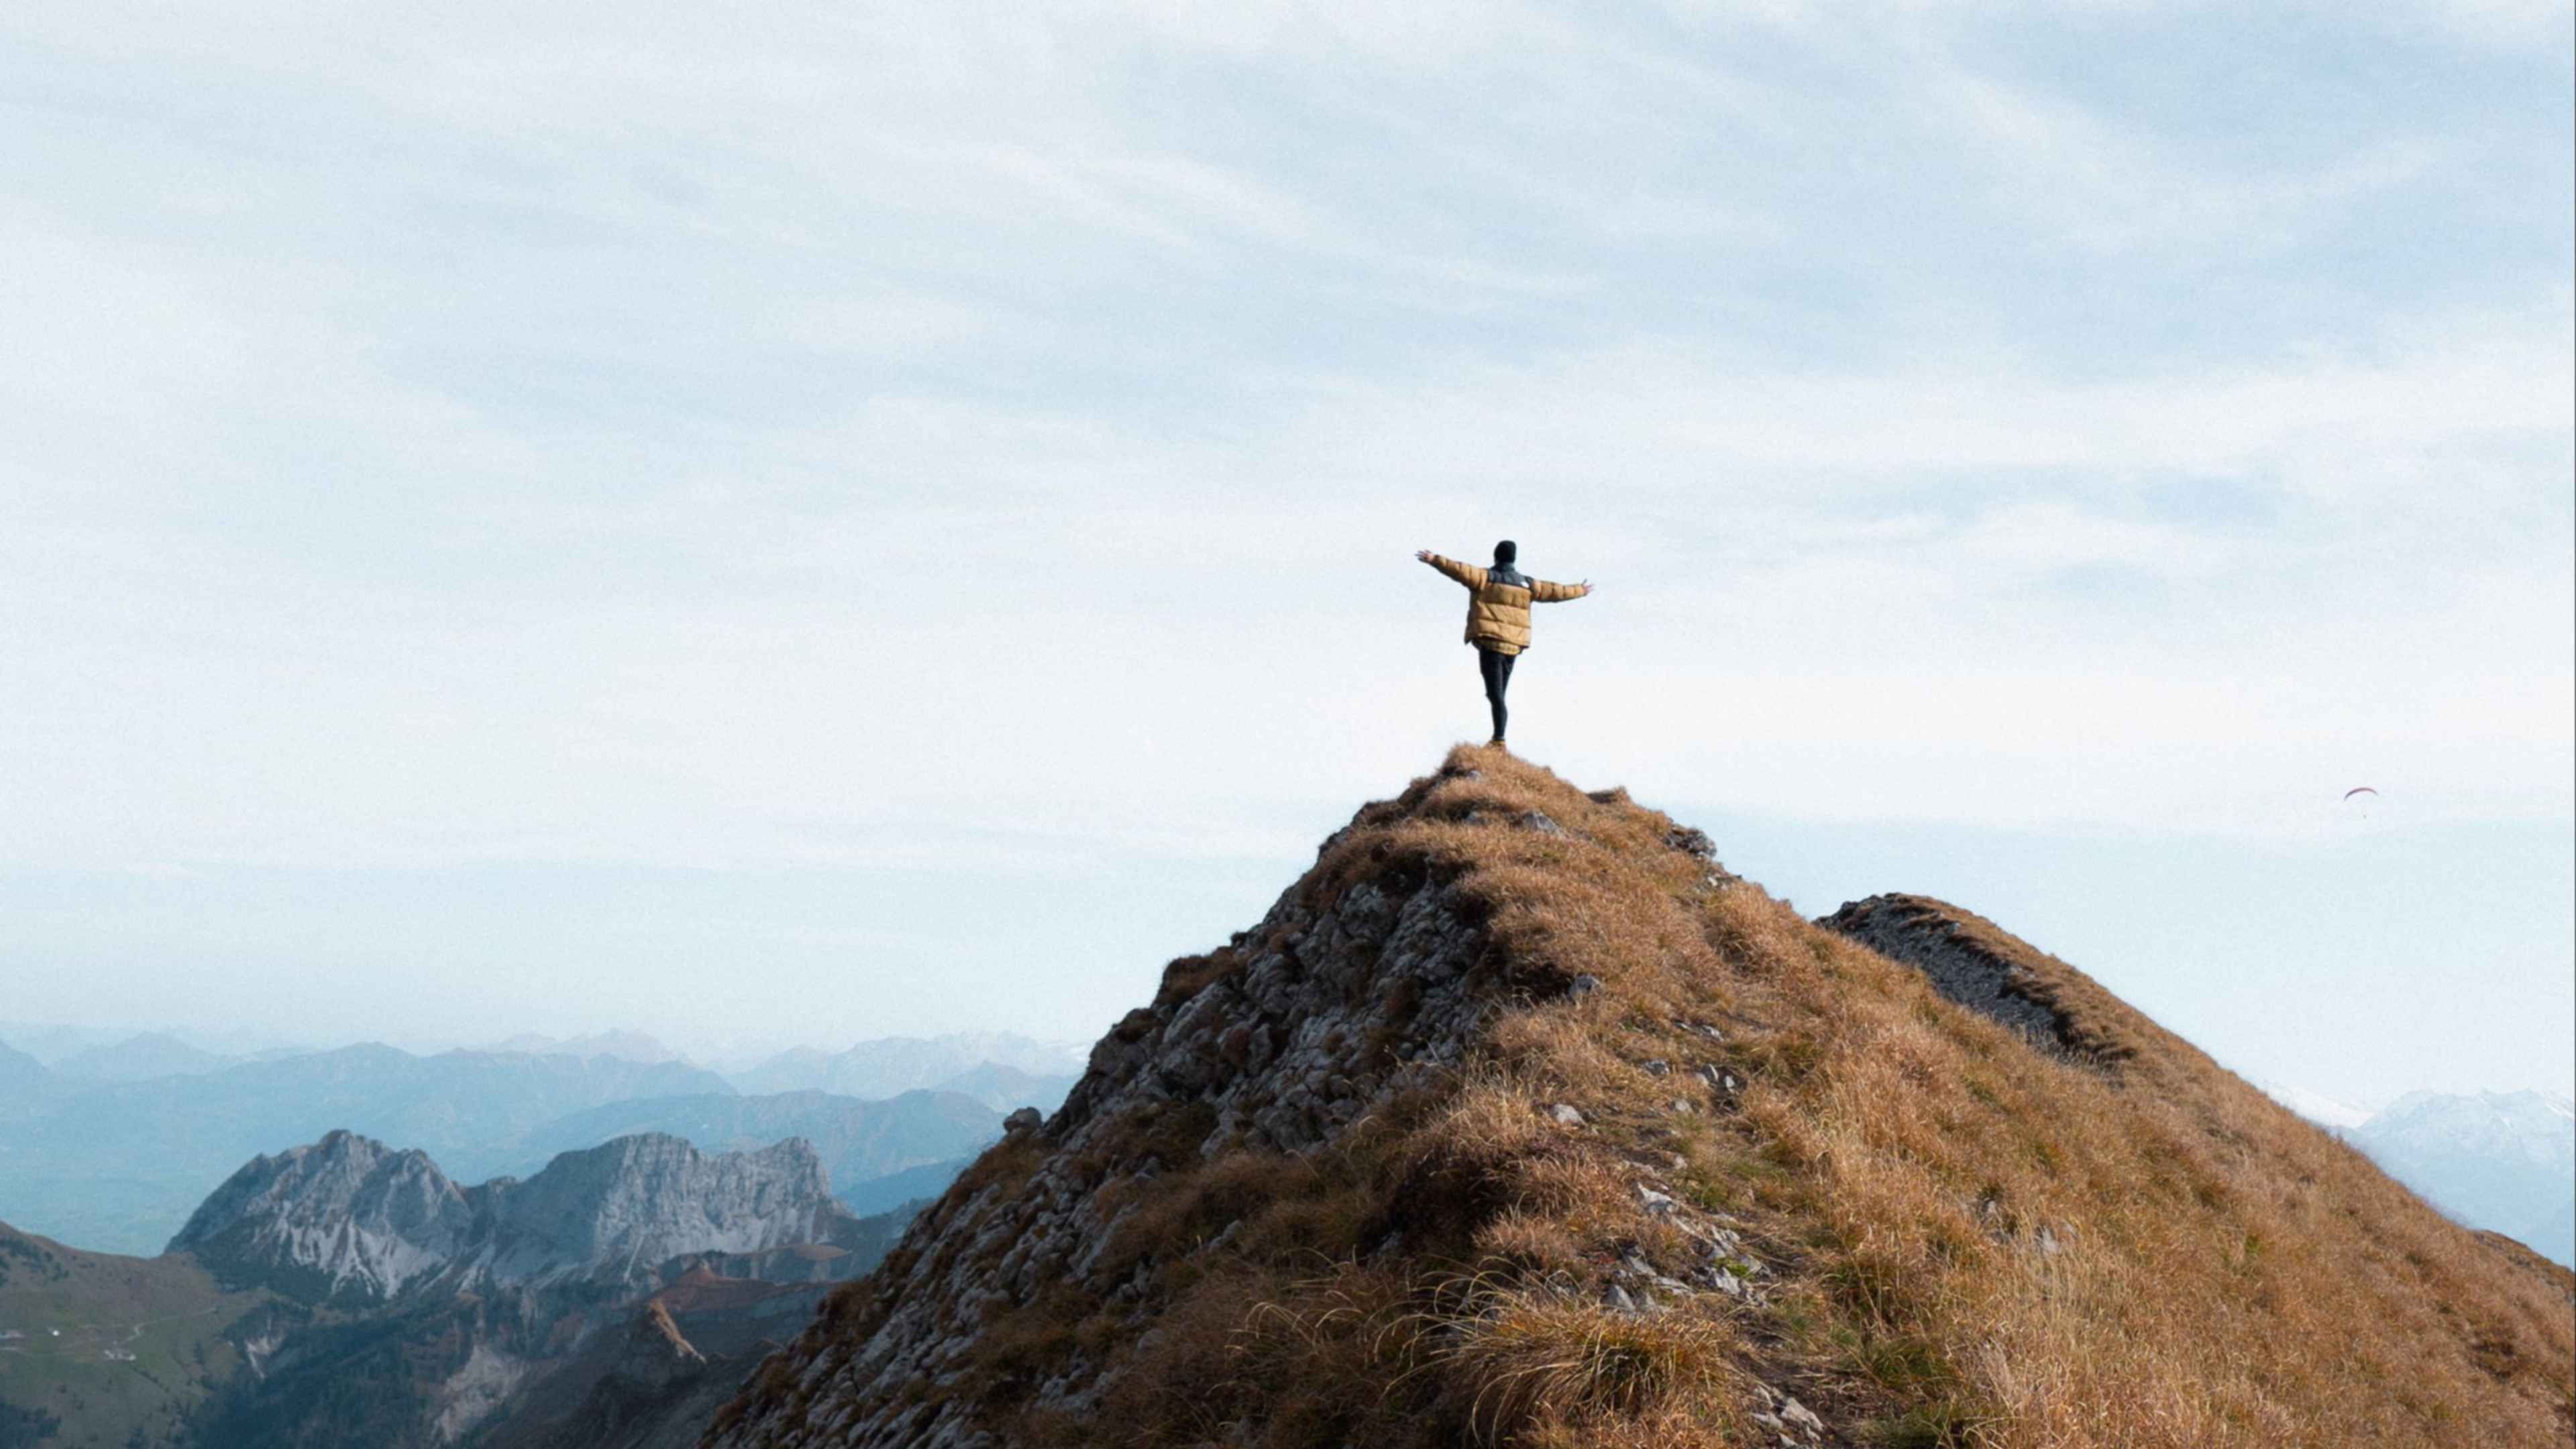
(2364, 795)
(2359, 790)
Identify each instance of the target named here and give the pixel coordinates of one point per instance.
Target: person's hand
(1423, 554)
(1587, 586)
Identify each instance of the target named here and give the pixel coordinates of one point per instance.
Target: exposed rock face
(1328, 1007)
(1928, 936)
(347, 1215)
(461, 1307)
(350, 1218)
(623, 1208)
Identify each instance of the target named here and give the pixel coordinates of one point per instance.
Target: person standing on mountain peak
(1498, 619)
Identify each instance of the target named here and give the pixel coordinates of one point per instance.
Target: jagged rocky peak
(348, 1217)
(629, 1205)
(345, 1215)
(1518, 1120)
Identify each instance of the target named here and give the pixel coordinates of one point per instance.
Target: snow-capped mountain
(2499, 1160)
(2536, 1126)
(2503, 1161)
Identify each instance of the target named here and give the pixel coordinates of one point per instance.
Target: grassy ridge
(1842, 1187)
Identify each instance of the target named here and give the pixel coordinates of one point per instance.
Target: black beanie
(1506, 552)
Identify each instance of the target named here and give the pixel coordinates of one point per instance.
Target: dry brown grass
(1968, 1242)
(1536, 1367)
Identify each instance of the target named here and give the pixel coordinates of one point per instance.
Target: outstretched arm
(1468, 574)
(1543, 592)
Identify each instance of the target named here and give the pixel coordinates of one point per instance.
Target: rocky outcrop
(348, 1218)
(1969, 961)
(344, 1217)
(620, 1210)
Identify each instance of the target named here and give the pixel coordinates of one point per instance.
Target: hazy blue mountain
(49, 1042)
(140, 1058)
(859, 1141)
(1007, 1089)
(2504, 1161)
(913, 1184)
(892, 1065)
(19, 1072)
(119, 1167)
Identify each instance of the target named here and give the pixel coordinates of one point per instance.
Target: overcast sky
(760, 523)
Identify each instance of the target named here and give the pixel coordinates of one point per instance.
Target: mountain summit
(1518, 1120)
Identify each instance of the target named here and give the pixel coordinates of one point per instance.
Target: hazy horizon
(2191, 973)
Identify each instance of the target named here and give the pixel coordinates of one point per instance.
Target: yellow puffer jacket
(1498, 613)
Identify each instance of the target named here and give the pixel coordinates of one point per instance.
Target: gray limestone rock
(349, 1218)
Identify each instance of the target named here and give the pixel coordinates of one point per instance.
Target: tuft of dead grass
(1531, 1367)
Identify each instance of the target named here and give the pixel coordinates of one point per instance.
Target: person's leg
(1497, 669)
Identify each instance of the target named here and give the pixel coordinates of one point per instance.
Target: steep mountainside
(2498, 1160)
(861, 1141)
(121, 1166)
(1518, 1121)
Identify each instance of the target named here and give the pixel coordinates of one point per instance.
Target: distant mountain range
(139, 1059)
(2499, 1160)
(119, 1166)
(2503, 1161)
(889, 1065)
(116, 1164)
(347, 1292)
(1006, 1089)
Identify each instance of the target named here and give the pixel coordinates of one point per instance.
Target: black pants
(1497, 669)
